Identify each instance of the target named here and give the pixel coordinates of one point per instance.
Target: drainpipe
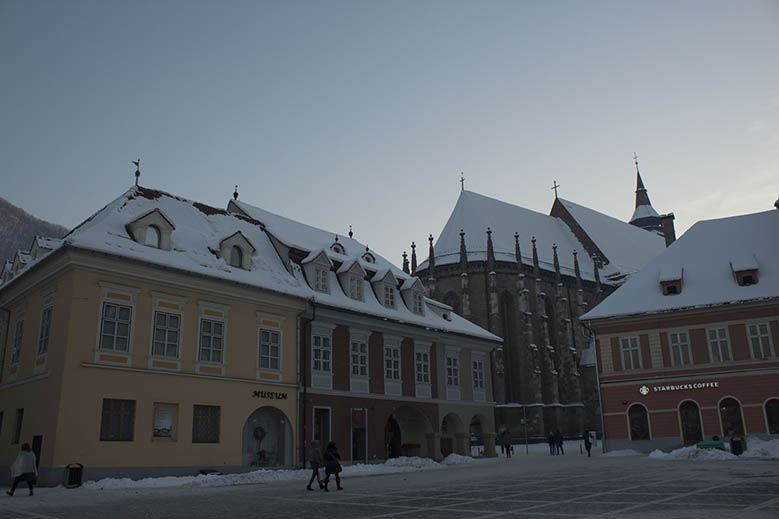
(600, 397)
(7, 318)
(303, 363)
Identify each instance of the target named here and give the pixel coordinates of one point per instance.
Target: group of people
(555, 440)
(331, 463)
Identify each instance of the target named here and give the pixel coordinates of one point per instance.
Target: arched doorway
(690, 416)
(393, 437)
(267, 439)
(730, 417)
(476, 436)
(772, 415)
(639, 422)
(413, 434)
(451, 426)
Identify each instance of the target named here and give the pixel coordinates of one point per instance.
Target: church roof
(627, 247)
(705, 257)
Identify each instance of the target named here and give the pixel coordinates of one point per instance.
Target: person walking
(552, 444)
(587, 442)
(558, 437)
(24, 468)
(315, 458)
(332, 466)
(505, 441)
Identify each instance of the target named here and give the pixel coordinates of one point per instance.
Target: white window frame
(212, 320)
(452, 373)
(393, 366)
(44, 333)
(168, 313)
(216, 313)
(717, 342)
(389, 295)
(764, 340)
(679, 344)
(418, 302)
(422, 369)
(356, 287)
(321, 281)
(478, 361)
(630, 349)
(117, 321)
(271, 332)
(122, 295)
(321, 378)
(359, 359)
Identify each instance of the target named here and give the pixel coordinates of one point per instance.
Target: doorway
(359, 436)
(690, 416)
(393, 438)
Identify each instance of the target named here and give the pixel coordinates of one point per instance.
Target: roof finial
(137, 169)
(336, 238)
(554, 188)
(462, 181)
(367, 249)
(463, 252)
(535, 257)
(556, 262)
(405, 262)
(413, 258)
(235, 193)
(350, 232)
(517, 253)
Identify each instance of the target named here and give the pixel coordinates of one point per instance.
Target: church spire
(431, 260)
(490, 251)
(405, 263)
(644, 215)
(577, 271)
(413, 258)
(536, 267)
(517, 253)
(642, 197)
(556, 263)
(463, 253)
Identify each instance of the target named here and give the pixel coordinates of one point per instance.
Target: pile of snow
(623, 452)
(391, 466)
(756, 448)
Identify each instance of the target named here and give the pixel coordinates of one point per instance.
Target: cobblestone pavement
(532, 487)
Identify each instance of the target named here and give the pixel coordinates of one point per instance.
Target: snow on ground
(623, 452)
(391, 466)
(756, 448)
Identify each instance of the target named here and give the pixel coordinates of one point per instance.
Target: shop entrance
(267, 439)
(690, 417)
(359, 437)
(393, 438)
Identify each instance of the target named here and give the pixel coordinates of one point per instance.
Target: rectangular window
(760, 340)
(18, 431)
(680, 348)
(392, 362)
(321, 280)
(321, 353)
(631, 353)
(478, 374)
(205, 424)
(211, 339)
(423, 367)
(359, 359)
(43, 338)
(17, 347)
(118, 421)
(166, 335)
(269, 349)
(452, 371)
(389, 296)
(418, 303)
(718, 345)
(355, 287)
(115, 328)
(165, 416)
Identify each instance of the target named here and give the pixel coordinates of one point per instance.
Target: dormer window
(671, 280)
(153, 229)
(369, 258)
(746, 277)
(320, 283)
(744, 267)
(337, 248)
(355, 287)
(418, 304)
(152, 237)
(389, 296)
(236, 256)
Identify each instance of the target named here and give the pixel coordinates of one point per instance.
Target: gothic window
(451, 299)
(639, 422)
(730, 415)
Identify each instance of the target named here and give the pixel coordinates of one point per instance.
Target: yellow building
(156, 338)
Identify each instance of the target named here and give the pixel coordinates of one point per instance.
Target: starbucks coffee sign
(645, 390)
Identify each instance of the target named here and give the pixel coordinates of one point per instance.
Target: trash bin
(738, 445)
(74, 475)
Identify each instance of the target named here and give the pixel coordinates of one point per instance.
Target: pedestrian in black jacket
(558, 438)
(332, 466)
(587, 442)
(315, 458)
(552, 444)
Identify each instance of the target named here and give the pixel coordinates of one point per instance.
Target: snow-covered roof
(643, 211)
(627, 247)
(705, 253)
(199, 229)
(47, 243)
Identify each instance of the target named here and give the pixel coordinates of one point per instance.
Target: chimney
(667, 221)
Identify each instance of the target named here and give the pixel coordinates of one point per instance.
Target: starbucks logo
(644, 390)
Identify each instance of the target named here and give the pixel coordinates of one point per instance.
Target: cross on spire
(462, 181)
(554, 188)
(137, 169)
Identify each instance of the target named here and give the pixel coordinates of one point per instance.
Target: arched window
(152, 237)
(772, 415)
(690, 416)
(236, 257)
(639, 422)
(730, 415)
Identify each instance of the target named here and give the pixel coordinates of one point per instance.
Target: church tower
(645, 215)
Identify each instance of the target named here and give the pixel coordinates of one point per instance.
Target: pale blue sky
(364, 113)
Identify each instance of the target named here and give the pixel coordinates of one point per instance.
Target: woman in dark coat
(331, 465)
(315, 458)
(552, 444)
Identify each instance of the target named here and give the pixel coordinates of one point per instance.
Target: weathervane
(137, 169)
